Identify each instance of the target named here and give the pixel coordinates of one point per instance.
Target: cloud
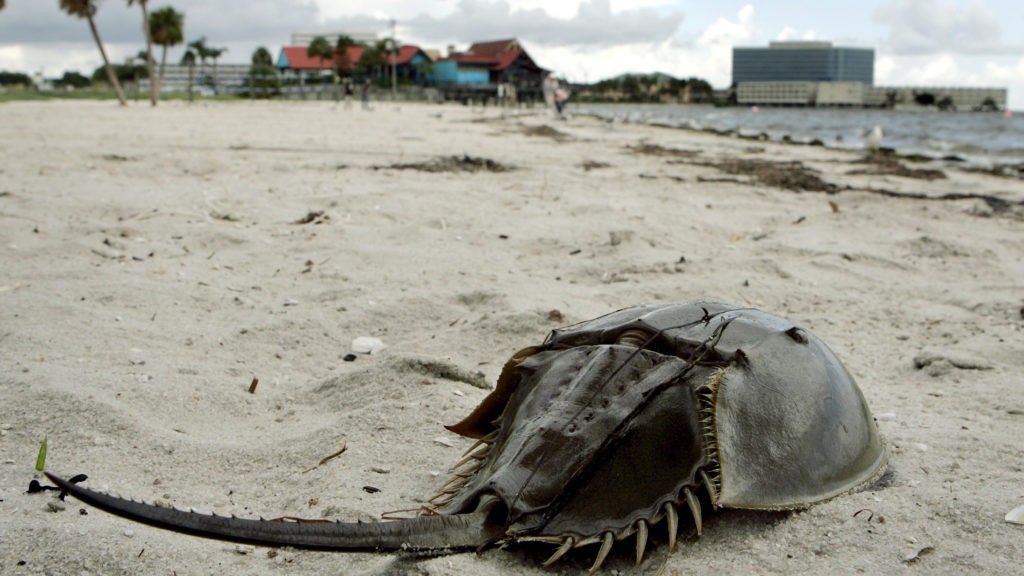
(725, 32)
(789, 33)
(708, 54)
(886, 69)
(38, 35)
(262, 21)
(595, 24)
(934, 71)
(936, 26)
(1011, 73)
(43, 22)
(712, 56)
(954, 70)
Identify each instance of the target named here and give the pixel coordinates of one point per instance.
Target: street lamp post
(394, 63)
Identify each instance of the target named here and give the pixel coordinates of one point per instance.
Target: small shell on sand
(1015, 516)
(367, 345)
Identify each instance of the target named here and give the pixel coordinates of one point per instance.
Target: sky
(917, 42)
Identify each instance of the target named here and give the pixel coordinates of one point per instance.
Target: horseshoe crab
(610, 427)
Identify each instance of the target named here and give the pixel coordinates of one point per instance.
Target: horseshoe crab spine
(424, 532)
(669, 512)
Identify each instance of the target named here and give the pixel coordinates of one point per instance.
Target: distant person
(561, 97)
(350, 92)
(548, 86)
(366, 94)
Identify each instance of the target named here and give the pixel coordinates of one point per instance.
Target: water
(984, 140)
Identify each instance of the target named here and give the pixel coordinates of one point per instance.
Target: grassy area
(22, 95)
(17, 95)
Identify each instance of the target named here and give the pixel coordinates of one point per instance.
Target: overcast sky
(916, 42)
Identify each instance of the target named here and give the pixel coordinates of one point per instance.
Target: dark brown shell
(591, 439)
(611, 419)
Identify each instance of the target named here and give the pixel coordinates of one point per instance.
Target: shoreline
(965, 155)
(156, 261)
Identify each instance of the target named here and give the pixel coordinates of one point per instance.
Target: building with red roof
(494, 47)
(411, 62)
(297, 58)
(492, 63)
(480, 70)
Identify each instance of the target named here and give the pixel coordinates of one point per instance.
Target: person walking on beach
(561, 97)
(366, 94)
(350, 92)
(548, 87)
(555, 96)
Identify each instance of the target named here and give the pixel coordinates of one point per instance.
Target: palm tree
(320, 48)
(189, 59)
(214, 54)
(137, 71)
(87, 9)
(344, 43)
(154, 87)
(373, 59)
(199, 50)
(166, 27)
(262, 57)
(202, 51)
(262, 74)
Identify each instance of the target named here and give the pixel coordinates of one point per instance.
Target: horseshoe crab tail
(470, 530)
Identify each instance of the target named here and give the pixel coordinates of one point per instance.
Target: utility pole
(394, 63)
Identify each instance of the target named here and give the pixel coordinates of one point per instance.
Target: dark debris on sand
(545, 131)
(464, 163)
(657, 150)
(790, 175)
(589, 165)
(882, 165)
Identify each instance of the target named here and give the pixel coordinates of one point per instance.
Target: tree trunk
(154, 83)
(106, 64)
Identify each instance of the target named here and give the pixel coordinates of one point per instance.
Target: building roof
(297, 58)
(406, 53)
(496, 55)
(505, 59)
(494, 47)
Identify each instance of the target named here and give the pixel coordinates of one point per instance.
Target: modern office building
(820, 74)
(803, 62)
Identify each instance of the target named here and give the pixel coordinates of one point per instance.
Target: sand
(155, 262)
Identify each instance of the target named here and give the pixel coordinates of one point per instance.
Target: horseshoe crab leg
(470, 530)
(565, 547)
(641, 540)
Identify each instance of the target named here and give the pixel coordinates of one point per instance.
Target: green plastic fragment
(41, 459)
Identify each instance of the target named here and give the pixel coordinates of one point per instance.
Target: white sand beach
(155, 261)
